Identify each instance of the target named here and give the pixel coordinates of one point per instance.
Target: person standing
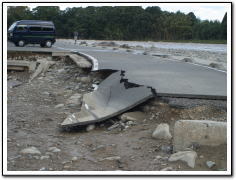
(75, 36)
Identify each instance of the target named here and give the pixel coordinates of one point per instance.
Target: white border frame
(103, 3)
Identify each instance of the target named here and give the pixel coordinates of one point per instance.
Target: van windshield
(12, 27)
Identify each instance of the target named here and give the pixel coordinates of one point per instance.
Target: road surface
(167, 77)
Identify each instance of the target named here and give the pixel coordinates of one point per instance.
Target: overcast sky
(204, 11)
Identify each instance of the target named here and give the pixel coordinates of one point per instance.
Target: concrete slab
(20, 65)
(112, 98)
(80, 61)
(199, 132)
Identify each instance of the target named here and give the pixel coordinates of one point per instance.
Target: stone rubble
(187, 156)
(30, 150)
(162, 132)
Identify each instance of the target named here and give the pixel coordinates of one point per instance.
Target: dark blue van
(32, 32)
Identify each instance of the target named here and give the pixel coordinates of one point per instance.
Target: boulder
(162, 132)
(187, 156)
(201, 132)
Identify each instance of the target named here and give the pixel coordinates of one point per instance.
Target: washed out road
(167, 77)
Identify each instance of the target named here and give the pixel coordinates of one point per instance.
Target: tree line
(123, 23)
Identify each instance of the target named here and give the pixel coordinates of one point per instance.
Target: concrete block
(20, 65)
(201, 132)
(80, 61)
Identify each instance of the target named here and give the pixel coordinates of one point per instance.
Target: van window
(47, 29)
(35, 28)
(12, 27)
(21, 28)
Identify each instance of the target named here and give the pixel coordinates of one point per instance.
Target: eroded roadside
(36, 108)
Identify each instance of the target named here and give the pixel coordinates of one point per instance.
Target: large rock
(132, 116)
(162, 132)
(30, 150)
(187, 156)
(201, 132)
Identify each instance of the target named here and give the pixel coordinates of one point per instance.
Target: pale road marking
(95, 61)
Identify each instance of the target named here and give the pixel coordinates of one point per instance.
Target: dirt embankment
(37, 143)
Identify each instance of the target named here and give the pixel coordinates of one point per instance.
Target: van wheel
(21, 43)
(16, 44)
(42, 44)
(48, 43)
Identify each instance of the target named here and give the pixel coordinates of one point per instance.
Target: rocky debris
(54, 149)
(90, 127)
(210, 164)
(187, 60)
(114, 126)
(30, 150)
(80, 61)
(132, 116)
(187, 156)
(49, 154)
(126, 46)
(167, 169)
(215, 65)
(168, 149)
(120, 125)
(112, 158)
(42, 169)
(74, 158)
(201, 132)
(83, 43)
(44, 157)
(111, 43)
(59, 106)
(162, 132)
(42, 68)
(74, 100)
(13, 83)
(85, 79)
(160, 55)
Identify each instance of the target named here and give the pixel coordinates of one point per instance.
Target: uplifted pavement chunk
(80, 61)
(112, 97)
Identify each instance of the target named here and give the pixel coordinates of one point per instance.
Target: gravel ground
(34, 110)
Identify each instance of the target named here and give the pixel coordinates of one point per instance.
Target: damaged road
(116, 140)
(114, 96)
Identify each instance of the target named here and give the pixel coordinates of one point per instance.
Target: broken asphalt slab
(112, 97)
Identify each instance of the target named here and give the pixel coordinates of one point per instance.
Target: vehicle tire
(16, 44)
(48, 43)
(42, 44)
(21, 43)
